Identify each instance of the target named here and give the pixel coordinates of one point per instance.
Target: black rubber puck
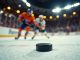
(43, 47)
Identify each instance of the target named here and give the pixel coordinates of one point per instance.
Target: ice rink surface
(64, 48)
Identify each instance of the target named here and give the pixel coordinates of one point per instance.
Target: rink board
(11, 32)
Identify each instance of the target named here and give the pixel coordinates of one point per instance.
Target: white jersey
(40, 22)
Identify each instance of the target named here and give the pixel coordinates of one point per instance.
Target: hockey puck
(43, 47)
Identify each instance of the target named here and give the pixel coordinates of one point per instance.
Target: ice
(64, 48)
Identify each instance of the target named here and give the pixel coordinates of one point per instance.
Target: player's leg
(27, 30)
(67, 32)
(19, 33)
(45, 33)
(20, 30)
(25, 35)
(35, 32)
(34, 35)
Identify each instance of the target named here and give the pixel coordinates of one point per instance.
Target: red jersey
(26, 16)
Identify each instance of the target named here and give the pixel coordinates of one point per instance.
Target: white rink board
(11, 31)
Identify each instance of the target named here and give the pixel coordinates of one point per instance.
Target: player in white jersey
(40, 26)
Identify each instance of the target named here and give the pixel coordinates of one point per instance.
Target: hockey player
(40, 26)
(27, 20)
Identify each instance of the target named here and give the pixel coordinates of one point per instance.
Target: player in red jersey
(27, 21)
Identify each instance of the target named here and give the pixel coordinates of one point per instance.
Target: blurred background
(60, 15)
